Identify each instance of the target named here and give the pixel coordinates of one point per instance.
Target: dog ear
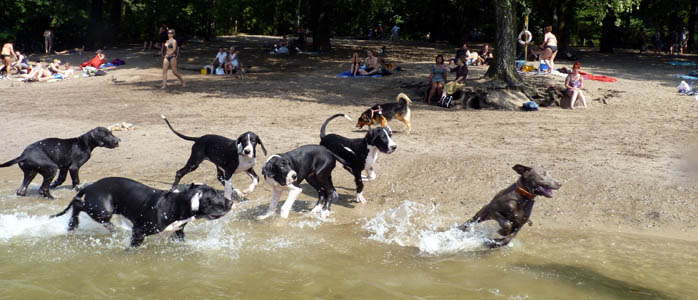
(521, 169)
(371, 137)
(259, 141)
(195, 201)
(239, 146)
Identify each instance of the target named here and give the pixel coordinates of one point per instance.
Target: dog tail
(9, 163)
(403, 99)
(76, 202)
(322, 129)
(188, 138)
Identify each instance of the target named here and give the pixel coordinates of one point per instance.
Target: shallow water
(406, 252)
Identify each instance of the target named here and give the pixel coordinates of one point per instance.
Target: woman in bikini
(171, 51)
(574, 84)
(8, 52)
(550, 48)
(438, 77)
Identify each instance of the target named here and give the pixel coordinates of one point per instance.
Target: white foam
(24, 225)
(416, 225)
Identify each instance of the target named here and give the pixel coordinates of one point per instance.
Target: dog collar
(523, 192)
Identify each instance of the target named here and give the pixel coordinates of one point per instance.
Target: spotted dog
(359, 154)
(312, 163)
(229, 156)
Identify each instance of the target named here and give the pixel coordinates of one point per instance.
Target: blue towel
(682, 63)
(686, 77)
(348, 74)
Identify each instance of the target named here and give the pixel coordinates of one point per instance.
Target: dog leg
(74, 176)
(28, 177)
(275, 197)
(293, 192)
(62, 173)
(228, 190)
(137, 237)
(255, 181)
(48, 175)
(371, 175)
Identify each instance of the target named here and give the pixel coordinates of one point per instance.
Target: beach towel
(348, 74)
(117, 62)
(107, 65)
(597, 77)
(686, 77)
(682, 63)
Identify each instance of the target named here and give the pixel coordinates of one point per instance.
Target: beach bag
(208, 69)
(683, 87)
(446, 102)
(530, 106)
(89, 71)
(220, 71)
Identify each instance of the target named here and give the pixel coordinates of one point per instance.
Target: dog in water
(382, 113)
(512, 207)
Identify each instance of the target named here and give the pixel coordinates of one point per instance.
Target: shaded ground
(621, 162)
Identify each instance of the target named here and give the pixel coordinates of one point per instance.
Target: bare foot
(163, 87)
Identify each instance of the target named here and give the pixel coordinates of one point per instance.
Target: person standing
(48, 41)
(171, 52)
(394, 32)
(549, 47)
(163, 38)
(684, 40)
(8, 51)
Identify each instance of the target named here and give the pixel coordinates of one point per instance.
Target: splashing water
(417, 225)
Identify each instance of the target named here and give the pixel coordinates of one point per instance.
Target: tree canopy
(104, 22)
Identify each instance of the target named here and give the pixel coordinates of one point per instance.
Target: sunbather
(371, 64)
(96, 61)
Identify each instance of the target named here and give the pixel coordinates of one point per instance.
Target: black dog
(359, 154)
(47, 156)
(229, 156)
(313, 163)
(150, 211)
(512, 207)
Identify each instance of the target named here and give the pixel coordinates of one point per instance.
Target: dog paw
(360, 199)
(284, 213)
(324, 214)
(316, 209)
(264, 216)
(239, 193)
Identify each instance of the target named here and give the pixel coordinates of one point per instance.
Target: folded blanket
(348, 74)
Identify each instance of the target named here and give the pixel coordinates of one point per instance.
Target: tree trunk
(319, 11)
(566, 17)
(692, 23)
(114, 20)
(96, 25)
(608, 30)
(502, 67)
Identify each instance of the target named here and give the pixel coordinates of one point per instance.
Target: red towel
(597, 77)
(94, 62)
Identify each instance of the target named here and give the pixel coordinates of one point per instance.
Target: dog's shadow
(344, 200)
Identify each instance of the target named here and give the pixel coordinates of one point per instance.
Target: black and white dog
(150, 210)
(313, 163)
(229, 156)
(47, 156)
(359, 154)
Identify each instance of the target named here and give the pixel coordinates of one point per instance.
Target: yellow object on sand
(452, 87)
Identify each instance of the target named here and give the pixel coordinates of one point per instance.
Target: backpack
(446, 101)
(530, 106)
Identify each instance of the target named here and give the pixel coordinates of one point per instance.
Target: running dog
(512, 207)
(382, 113)
(313, 163)
(359, 155)
(47, 156)
(150, 211)
(229, 156)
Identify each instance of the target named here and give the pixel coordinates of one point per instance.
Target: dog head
(247, 145)
(102, 137)
(277, 171)
(381, 138)
(369, 117)
(537, 180)
(206, 202)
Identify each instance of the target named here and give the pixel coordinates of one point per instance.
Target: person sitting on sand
(371, 65)
(485, 56)
(96, 61)
(21, 64)
(38, 73)
(55, 68)
(282, 46)
(355, 64)
(232, 63)
(8, 52)
(461, 71)
(574, 84)
(437, 78)
(219, 60)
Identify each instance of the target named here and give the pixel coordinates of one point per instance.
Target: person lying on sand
(38, 73)
(71, 51)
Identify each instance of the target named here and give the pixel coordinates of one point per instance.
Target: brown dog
(512, 207)
(382, 113)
